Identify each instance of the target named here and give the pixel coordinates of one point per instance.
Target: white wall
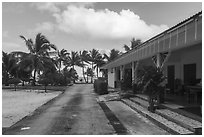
(188, 55)
(111, 77)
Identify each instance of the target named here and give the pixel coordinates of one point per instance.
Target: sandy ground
(20, 103)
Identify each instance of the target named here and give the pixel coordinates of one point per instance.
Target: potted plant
(154, 86)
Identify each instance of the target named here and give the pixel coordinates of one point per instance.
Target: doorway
(171, 78)
(189, 74)
(128, 78)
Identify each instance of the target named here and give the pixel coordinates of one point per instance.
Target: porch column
(160, 59)
(133, 73)
(122, 72)
(158, 63)
(115, 74)
(135, 70)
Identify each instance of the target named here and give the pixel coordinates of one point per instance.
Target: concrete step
(171, 115)
(140, 101)
(135, 123)
(175, 108)
(184, 121)
(162, 122)
(142, 96)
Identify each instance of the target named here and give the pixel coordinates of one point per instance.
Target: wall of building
(111, 77)
(183, 56)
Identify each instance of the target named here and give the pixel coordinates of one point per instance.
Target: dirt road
(74, 112)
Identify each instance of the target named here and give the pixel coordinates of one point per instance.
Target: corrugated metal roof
(157, 36)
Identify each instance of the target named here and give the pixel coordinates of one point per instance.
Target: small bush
(101, 87)
(14, 81)
(45, 82)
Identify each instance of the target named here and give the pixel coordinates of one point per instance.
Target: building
(178, 50)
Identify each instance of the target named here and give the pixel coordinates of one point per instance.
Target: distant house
(178, 50)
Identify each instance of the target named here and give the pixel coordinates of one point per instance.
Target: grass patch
(28, 87)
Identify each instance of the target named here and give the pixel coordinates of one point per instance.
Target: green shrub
(14, 81)
(154, 86)
(95, 83)
(101, 87)
(45, 82)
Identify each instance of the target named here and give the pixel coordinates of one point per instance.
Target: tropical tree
(73, 60)
(112, 55)
(25, 68)
(151, 81)
(89, 73)
(84, 55)
(70, 74)
(94, 55)
(61, 57)
(39, 52)
(14, 81)
(16, 59)
(134, 44)
(5, 67)
(98, 63)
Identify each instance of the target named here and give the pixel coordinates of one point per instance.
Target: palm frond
(29, 43)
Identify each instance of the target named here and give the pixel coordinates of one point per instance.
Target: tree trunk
(74, 78)
(87, 79)
(84, 74)
(92, 72)
(59, 66)
(45, 89)
(97, 70)
(34, 77)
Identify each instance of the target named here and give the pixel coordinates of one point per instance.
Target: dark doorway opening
(128, 78)
(189, 74)
(194, 110)
(171, 78)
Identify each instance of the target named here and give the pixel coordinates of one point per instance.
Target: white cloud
(10, 45)
(81, 20)
(5, 34)
(59, 6)
(105, 23)
(47, 6)
(45, 26)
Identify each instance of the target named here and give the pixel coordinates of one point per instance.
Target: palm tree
(15, 61)
(38, 52)
(93, 56)
(98, 63)
(126, 48)
(70, 73)
(5, 67)
(84, 59)
(112, 55)
(134, 44)
(61, 57)
(89, 72)
(16, 65)
(73, 60)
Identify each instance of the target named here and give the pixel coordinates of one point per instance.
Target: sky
(86, 25)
